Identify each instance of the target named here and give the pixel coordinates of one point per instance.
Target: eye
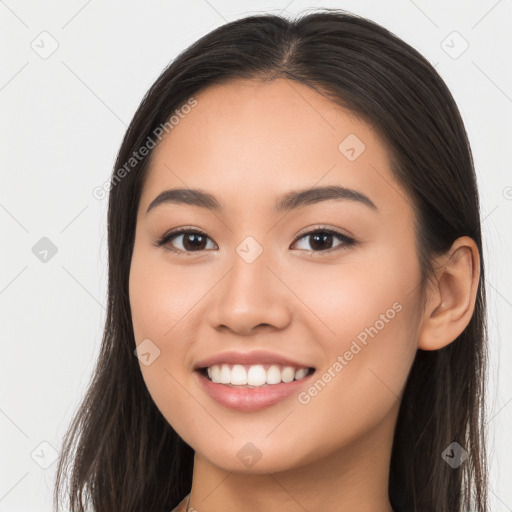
(191, 240)
(322, 236)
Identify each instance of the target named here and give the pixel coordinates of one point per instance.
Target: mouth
(253, 376)
(252, 386)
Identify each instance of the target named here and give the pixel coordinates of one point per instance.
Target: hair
(124, 454)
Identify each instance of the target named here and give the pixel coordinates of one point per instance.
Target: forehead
(252, 139)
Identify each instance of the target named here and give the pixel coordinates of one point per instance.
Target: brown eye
(191, 241)
(321, 240)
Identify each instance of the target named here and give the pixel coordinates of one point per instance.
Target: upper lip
(253, 357)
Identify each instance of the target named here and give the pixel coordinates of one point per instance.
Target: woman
(296, 310)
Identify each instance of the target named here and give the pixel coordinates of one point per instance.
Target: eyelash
(347, 241)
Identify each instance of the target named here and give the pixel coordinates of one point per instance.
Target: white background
(62, 120)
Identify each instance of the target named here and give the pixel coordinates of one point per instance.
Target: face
(329, 282)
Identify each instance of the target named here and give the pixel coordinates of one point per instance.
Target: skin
(248, 143)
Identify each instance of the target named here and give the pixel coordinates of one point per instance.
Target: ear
(451, 300)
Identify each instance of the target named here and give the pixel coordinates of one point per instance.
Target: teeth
(254, 375)
(224, 374)
(238, 375)
(300, 374)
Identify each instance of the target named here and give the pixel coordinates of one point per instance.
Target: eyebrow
(289, 201)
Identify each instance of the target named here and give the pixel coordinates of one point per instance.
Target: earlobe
(451, 301)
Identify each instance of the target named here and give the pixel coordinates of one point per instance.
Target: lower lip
(251, 399)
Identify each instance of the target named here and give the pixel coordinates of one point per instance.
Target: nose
(250, 297)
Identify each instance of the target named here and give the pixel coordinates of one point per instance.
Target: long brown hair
(124, 455)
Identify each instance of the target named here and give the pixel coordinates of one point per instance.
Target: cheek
(367, 360)
(160, 294)
(157, 301)
(364, 319)
(364, 290)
